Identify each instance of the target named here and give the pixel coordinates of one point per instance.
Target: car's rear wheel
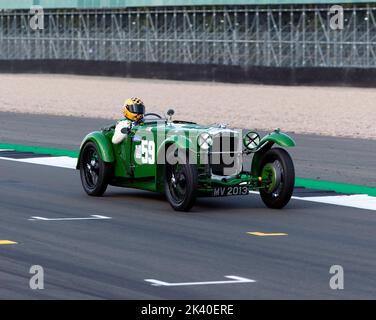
(181, 184)
(278, 170)
(95, 173)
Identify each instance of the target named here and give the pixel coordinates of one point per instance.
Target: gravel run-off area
(334, 111)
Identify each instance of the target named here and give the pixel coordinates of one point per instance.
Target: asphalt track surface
(145, 239)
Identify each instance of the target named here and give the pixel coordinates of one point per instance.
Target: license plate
(230, 191)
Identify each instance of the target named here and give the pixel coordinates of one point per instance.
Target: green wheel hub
(271, 174)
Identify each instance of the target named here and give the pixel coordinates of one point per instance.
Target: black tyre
(181, 184)
(278, 168)
(95, 173)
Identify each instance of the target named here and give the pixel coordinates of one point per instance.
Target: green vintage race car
(185, 160)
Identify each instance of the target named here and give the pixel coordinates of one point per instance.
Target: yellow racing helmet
(134, 109)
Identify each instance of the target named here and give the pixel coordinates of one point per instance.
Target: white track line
(61, 162)
(360, 201)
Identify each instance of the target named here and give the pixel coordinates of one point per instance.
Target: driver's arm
(118, 135)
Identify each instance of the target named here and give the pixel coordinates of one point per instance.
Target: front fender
(104, 146)
(275, 137)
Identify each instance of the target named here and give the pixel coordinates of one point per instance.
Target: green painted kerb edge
(299, 182)
(50, 151)
(335, 186)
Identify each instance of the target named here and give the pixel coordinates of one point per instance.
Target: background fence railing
(281, 36)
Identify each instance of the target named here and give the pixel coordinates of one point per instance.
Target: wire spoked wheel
(181, 185)
(95, 174)
(178, 183)
(91, 167)
(278, 170)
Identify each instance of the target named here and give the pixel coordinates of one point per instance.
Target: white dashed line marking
(92, 217)
(234, 279)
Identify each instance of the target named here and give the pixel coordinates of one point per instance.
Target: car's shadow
(158, 201)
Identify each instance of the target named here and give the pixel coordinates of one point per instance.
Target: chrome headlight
(251, 140)
(204, 141)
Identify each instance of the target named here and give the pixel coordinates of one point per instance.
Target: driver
(133, 110)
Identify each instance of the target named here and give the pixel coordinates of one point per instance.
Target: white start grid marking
(92, 217)
(233, 279)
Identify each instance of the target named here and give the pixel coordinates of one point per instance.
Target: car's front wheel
(181, 184)
(278, 171)
(95, 173)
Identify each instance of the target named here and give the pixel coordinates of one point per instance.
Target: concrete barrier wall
(361, 77)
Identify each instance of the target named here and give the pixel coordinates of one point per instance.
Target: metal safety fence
(282, 36)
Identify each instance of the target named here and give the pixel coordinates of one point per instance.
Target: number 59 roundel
(147, 152)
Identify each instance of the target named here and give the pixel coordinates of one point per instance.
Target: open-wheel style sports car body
(185, 160)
